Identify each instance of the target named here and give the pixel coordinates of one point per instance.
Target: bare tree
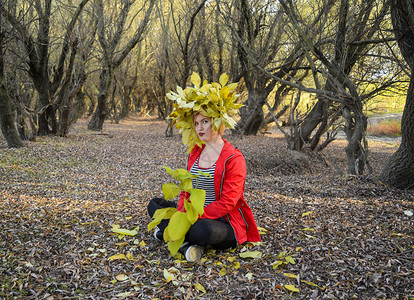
(176, 50)
(259, 29)
(333, 60)
(7, 118)
(37, 50)
(352, 42)
(399, 170)
(112, 56)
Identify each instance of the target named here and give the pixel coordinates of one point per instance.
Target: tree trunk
(7, 119)
(43, 96)
(399, 170)
(252, 115)
(311, 121)
(355, 127)
(98, 118)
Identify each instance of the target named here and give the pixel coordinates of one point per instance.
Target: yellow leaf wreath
(214, 100)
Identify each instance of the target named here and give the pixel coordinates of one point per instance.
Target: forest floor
(324, 236)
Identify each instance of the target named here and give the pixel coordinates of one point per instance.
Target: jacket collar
(227, 151)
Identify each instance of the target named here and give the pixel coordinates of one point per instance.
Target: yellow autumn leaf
(224, 78)
(178, 226)
(290, 260)
(125, 231)
(291, 288)
(122, 244)
(398, 234)
(307, 229)
(261, 229)
(232, 86)
(186, 185)
(309, 236)
(199, 287)
(290, 275)
(168, 276)
(123, 295)
(170, 190)
(311, 283)
(236, 265)
(197, 199)
(192, 215)
(160, 214)
(306, 213)
(117, 256)
(195, 79)
(142, 244)
(231, 258)
(251, 254)
(121, 277)
(174, 246)
(223, 272)
(277, 264)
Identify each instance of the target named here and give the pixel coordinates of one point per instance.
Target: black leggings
(205, 232)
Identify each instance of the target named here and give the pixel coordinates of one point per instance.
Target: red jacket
(229, 179)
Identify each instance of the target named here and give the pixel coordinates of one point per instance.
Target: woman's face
(204, 128)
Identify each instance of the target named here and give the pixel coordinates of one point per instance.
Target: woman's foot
(192, 253)
(158, 234)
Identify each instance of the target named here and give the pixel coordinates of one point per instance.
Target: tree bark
(98, 118)
(7, 121)
(7, 118)
(399, 170)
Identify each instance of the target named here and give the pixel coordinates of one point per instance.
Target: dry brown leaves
(349, 237)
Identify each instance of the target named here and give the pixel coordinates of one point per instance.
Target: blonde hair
(221, 129)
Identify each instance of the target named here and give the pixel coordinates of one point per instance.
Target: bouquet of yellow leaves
(180, 221)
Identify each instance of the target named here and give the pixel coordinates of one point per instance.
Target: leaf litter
(73, 222)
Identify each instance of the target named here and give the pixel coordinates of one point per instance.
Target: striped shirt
(205, 183)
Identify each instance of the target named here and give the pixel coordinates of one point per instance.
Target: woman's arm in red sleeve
(232, 189)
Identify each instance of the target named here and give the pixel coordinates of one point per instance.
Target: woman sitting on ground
(227, 220)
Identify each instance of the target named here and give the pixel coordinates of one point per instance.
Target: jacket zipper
(244, 219)
(222, 175)
(227, 217)
(241, 213)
